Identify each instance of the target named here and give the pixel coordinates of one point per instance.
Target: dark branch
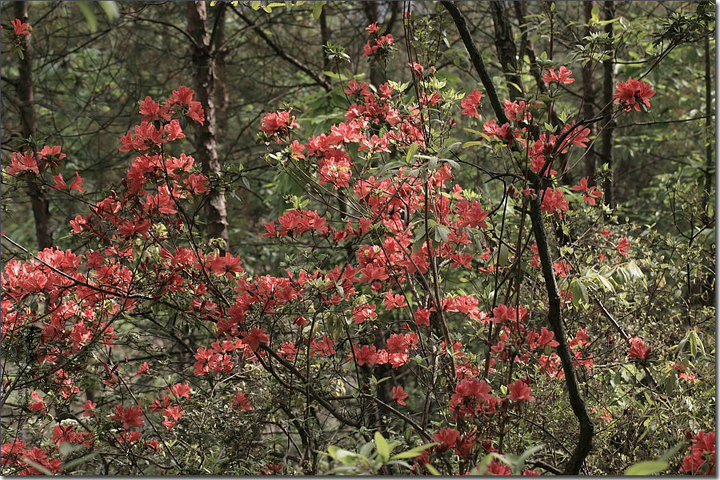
(319, 79)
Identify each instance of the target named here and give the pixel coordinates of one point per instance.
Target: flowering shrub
(403, 309)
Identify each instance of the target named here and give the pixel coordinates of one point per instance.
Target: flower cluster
(633, 94)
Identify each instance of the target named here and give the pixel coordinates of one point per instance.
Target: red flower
(562, 76)
(278, 123)
(589, 193)
(150, 110)
(172, 415)
(546, 338)
(128, 437)
(88, 408)
(226, 265)
(180, 390)
(174, 130)
(394, 300)
(447, 438)
(471, 398)
(554, 201)
(366, 355)
(23, 163)
(638, 349)
(562, 268)
(622, 246)
(323, 347)
(633, 94)
(476, 216)
(38, 405)
(517, 111)
(497, 467)
(503, 132)
(197, 183)
(241, 402)
(364, 313)
(399, 395)
(77, 183)
(20, 27)
(702, 454)
(255, 337)
(371, 273)
(131, 417)
(372, 28)
(422, 316)
(519, 391)
(416, 68)
(470, 104)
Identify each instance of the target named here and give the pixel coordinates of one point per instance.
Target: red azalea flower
(470, 104)
(622, 246)
(633, 94)
(241, 402)
(638, 349)
(519, 391)
(399, 395)
(180, 390)
(20, 27)
(131, 417)
(589, 193)
(562, 76)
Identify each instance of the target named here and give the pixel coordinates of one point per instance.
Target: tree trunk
(377, 74)
(588, 86)
(204, 72)
(324, 37)
(35, 190)
(606, 155)
(505, 45)
(222, 97)
(709, 157)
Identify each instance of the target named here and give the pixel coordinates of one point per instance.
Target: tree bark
(377, 74)
(505, 45)
(38, 195)
(324, 37)
(588, 86)
(204, 73)
(709, 122)
(606, 154)
(222, 97)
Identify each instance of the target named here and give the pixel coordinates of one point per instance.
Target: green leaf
(605, 283)
(634, 271)
(382, 447)
(345, 456)
(441, 233)
(37, 466)
(530, 452)
(670, 453)
(481, 467)
(89, 15)
(411, 152)
(431, 469)
(413, 452)
(110, 8)
(80, 461)
(579, 293)
(317, 10)
(649, 467)
(504, 254)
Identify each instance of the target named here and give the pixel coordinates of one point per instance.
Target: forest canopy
(383, 237)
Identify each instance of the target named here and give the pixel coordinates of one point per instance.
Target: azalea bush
(409, 313)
